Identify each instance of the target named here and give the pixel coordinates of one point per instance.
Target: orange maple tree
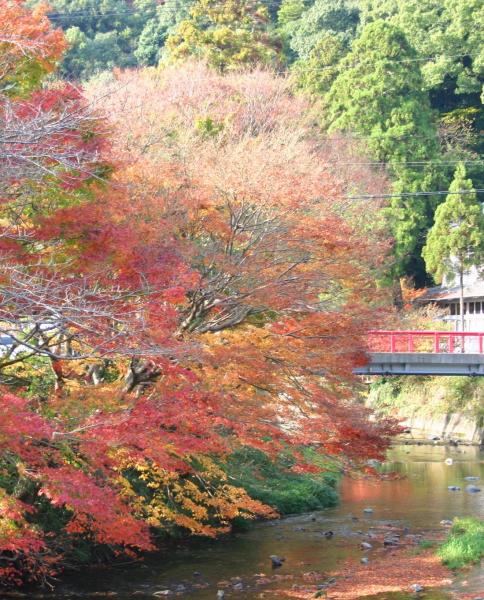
(213, 293)
(278, 288)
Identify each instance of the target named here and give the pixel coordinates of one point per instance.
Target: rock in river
(277, 561)
(453, 488)
(391, 541)
(473, 489)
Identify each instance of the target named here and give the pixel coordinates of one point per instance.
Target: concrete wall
(453, 426)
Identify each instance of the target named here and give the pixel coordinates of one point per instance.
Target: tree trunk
(141, 374)
(397, 293)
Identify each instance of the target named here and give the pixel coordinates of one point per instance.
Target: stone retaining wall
(454, 426)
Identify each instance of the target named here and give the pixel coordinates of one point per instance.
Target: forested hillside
(403, 78)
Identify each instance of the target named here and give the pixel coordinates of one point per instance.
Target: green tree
(227, 35)
(88, 56)
(101, 33)
(289, 12)
(446, 29)
(273, 7)
(378, 95)
(339, 18)
(456, 241)
(317, 72)
(156, 30)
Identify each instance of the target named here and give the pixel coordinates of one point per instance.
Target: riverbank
(418, 498)
(410, 567)
(465, 543)
(450, 409)
(417, 565)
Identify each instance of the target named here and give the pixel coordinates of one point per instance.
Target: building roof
(446, 294)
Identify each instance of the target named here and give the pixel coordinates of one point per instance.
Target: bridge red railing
(426, 341)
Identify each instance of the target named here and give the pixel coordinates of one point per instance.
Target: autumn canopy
(182, 276)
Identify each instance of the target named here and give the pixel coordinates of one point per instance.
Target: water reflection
(420, 499)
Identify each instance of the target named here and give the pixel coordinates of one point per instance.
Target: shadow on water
(419, 500)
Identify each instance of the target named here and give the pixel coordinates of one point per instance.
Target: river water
(420, 500)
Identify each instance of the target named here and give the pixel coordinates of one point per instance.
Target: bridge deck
(425, 353)
(423, 363)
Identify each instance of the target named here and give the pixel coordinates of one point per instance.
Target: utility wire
(386, 60)
(165, 6)
(407, 164)
(351, 136)
(410, 194)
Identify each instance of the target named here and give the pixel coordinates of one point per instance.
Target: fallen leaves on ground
(390, 570)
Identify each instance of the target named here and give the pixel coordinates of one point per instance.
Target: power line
(410, 194)
(352, 136)
(175, 10)
(386, 60)
(164, 7)
(406, 163)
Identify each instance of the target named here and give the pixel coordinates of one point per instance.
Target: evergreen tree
(456, 241)
(338, 18)
(447, 30)
(290, 11)
(101, 34)
(316, 73)
(378, 95)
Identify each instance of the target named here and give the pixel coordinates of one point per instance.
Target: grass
(465, 543)
(429, 395)
(273, 482)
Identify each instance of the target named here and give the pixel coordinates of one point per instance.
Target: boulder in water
(453, 488)
(473, 489)
(277, 561)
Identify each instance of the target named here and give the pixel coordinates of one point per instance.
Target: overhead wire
(410, 194)
(405, 163)
(56, 16)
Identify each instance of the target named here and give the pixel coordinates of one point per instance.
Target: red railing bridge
(424, 353)
(451, 342)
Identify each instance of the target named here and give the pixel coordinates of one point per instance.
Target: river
(420, 500)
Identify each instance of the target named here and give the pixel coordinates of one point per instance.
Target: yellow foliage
(201, 501)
